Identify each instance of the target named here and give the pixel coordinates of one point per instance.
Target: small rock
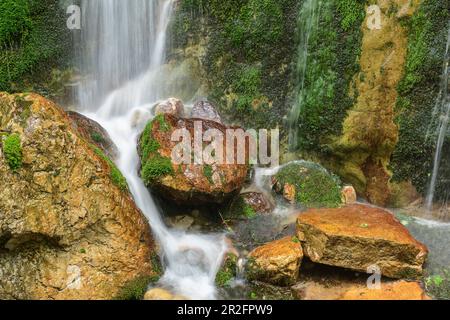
(171, 106)
(205, 110)
(161, 294)
(277, 262)
(349, 195)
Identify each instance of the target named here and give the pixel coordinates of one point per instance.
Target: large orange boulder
(359, 237)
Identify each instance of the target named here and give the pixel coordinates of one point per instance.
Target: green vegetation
(314, 186)
(227, 272)
(116, 176)
(154, 165)
(418, 90)
(136, 288)
(333, 53)
(208, 173)
(248, 56)
(239, 208)
(439, 285)
(12, 151)
(33, 40)
(97, 137)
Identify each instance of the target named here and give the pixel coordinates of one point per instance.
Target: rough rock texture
(258, 201)
(161, 294)
(94, 133)
(186, 183)
(277, 262)
(392, 290)
(171, 106)
(369, 133)
(66, 230)
(358, 236)
(205, 110)
(349, 195)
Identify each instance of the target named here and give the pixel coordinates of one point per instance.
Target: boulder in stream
(361, 238)
(69, 228)
(186, 183)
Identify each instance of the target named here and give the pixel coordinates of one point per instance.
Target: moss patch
(418, 90)
(314, 186)
(227, 272)
(438, 285)
(12, 151)
(116, 176)
(136, 288)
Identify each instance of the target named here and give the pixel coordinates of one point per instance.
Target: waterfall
(442, 110)
(307, 24)
(123, 49)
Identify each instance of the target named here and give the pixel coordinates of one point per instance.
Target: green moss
(227, 272)
(438, 285)
(156, 264)
(136, 288)
(12, 151)
(314, 186)
(116, 176)
(333, 54)
(239, 209)
(97, 137)
(156, 167)
(418, 91)
(208, 173)
(33, 40)
(249, 81)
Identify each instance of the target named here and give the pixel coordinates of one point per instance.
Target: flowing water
(442, 110)
(123, 53)
(308, 22)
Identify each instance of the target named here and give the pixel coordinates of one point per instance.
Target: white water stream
(124, 46)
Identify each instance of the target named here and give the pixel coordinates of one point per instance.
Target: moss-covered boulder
(248, 205)
(186, 183)
(308, 184)
(69, 228)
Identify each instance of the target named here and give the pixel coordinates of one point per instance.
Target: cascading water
(442, 110)
(308, 22)
(124, 50)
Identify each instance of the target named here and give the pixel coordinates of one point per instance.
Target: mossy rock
(311, 185)
(228, 271)
(135, 289)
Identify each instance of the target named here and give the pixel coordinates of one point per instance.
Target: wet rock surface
(358, 237)
(67, 229)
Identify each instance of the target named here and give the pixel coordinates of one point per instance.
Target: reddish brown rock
(258, 201)
(187, 183)
(277, 262)
(357, 237)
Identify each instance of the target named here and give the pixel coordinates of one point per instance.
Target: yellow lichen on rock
(369, 132)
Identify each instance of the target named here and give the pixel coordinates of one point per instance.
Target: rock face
(277, 262)
(171, 106)
(357, 237)
(205, 110)
(349, 195)
(186, 183)
(308, 184)
(92, 132)
(392, 290)
(258, 201)
(67, 229)
(161, 294)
